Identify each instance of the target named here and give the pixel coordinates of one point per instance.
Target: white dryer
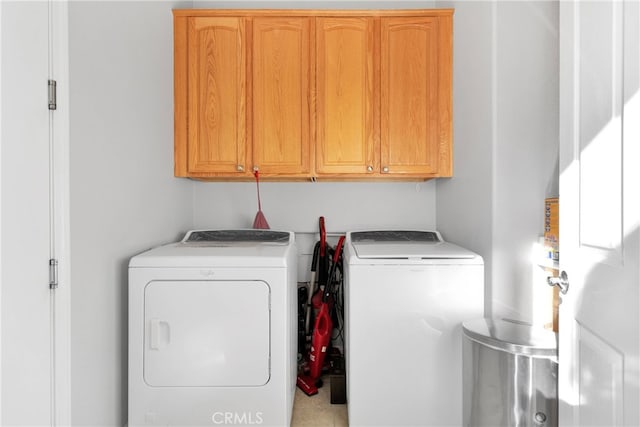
(406, 295)
(212, 330)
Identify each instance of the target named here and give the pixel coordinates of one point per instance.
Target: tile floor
(317, 410)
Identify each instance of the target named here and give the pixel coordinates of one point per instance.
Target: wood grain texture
(409, 105)
(347, 96)
(281, 76)
(180, 70)
(216, 95)
(445, 96)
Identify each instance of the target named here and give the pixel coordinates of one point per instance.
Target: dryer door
(206, 333)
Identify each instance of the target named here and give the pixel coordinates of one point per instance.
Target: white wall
(312, 4)
(464, 208)
(297, 206)
(124, 197)
(506, 143)
(526, 147)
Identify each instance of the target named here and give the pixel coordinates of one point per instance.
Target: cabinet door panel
(216, 95)
(409, 91)
(280, 91)
(347, 101)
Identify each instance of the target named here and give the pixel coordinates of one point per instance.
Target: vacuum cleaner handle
(312, 286)
(314, 257)
(334, 267)
(338, 252)
(323, 236)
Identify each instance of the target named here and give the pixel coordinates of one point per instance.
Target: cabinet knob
(369, 168)
(255, 169)
(240, 168)
(385, 169)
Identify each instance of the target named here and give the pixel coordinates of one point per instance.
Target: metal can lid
(513, 337)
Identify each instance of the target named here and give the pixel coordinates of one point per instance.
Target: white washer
(212, 330)
(406, 295)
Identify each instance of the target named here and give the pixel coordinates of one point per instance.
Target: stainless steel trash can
(510, 373)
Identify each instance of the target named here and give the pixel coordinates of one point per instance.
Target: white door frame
(59, 71)
(59, 212)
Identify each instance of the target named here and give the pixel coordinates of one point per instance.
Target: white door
(599, 328)
(30, 314)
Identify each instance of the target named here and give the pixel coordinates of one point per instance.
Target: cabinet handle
(385, 169)
(240, 168)
(561, 282)
(369, 168)
(255, 169)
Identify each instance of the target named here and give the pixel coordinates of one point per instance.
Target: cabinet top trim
(311, 12)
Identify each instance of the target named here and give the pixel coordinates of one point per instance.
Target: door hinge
(52, 95)
(53, 273)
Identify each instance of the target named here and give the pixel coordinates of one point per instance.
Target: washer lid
(511, 336)
(403, 244)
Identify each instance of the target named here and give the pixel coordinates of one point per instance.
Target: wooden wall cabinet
(303, 94)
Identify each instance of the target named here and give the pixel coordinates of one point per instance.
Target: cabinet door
(210, 96)
(415, 95)
(280, 95)
(347, 96)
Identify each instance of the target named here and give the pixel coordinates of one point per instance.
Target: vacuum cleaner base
(307, 385)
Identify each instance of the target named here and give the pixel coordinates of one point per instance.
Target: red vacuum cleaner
(321, 332)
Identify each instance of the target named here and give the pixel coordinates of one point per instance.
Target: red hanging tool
(259, 222)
